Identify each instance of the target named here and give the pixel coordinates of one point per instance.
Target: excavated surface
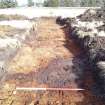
(49, 59)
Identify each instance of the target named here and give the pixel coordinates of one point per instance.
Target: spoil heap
(88, 30)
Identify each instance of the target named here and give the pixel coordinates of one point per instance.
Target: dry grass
(12, 17)
(6, 30)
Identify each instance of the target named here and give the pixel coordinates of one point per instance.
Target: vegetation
(30, 3)
(66, 3)
(51, 3)
(8, 3)
(12, 17)
(6, 30)
(70, 3)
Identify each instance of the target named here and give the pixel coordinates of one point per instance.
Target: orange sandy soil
(44, 45)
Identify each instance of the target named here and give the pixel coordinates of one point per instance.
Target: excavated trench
(50, 60)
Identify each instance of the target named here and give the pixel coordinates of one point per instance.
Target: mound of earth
(88, 31)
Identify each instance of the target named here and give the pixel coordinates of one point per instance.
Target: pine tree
(51, 3)
(8, 3)
(30, 3)
(68, 3)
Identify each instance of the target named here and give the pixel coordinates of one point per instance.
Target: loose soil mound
(91, 15)
(88, 31)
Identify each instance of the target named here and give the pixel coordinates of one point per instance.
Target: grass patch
(12, 17)
(7, 30)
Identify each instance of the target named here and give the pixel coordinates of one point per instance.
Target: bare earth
(35, 62)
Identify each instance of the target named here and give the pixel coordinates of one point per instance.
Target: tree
(8, 3)
(51, 3)
(103, 1)
(66, 3)
(92, 3)
(69, 3)
(88, 3)
(30, 3)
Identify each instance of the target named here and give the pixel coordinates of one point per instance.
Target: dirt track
(36, 60)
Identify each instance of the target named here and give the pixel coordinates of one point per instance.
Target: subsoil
(50, 59)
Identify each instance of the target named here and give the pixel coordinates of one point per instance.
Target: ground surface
(38, 64)
(33, 12)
